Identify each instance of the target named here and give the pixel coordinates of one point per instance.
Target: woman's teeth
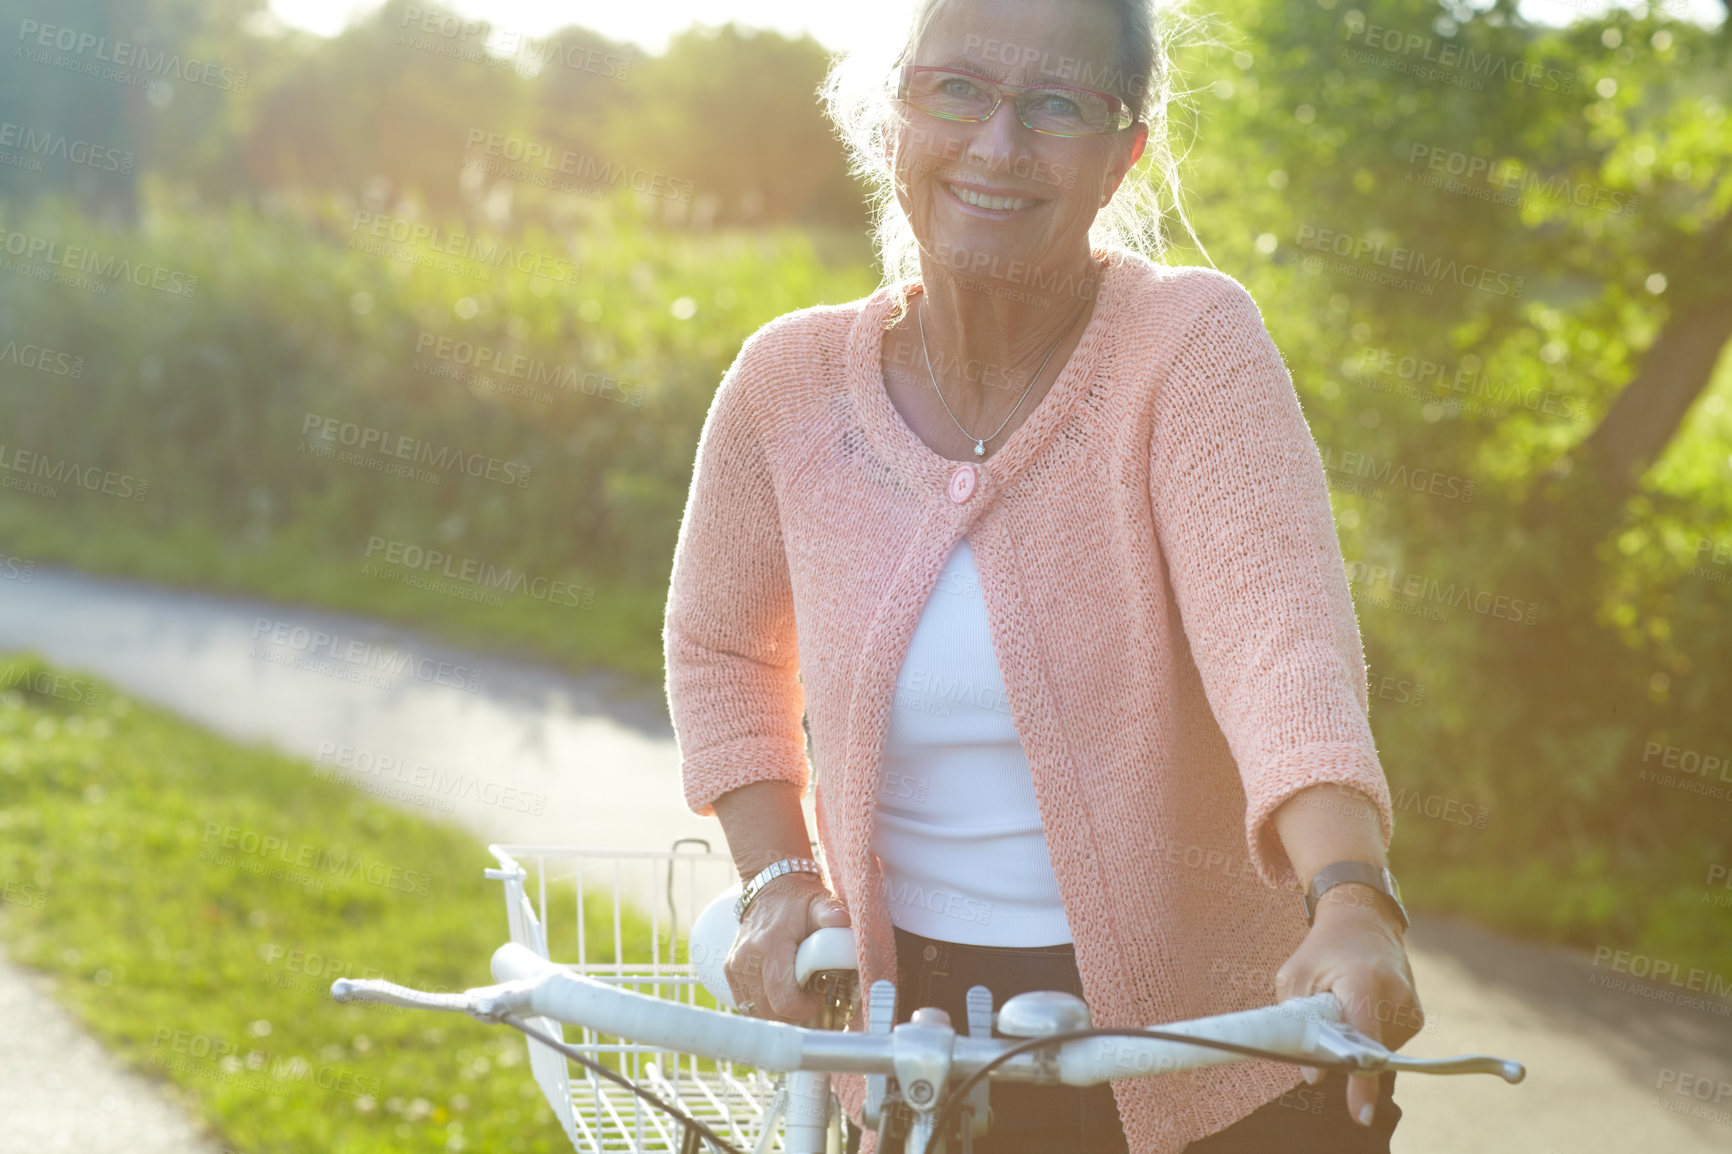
(1002, 204)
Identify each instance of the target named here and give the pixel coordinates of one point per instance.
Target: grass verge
(194, 898)
(625, 637)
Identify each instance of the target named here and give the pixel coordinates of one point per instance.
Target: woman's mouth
(994, 203)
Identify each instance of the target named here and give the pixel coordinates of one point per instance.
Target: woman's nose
(997, 137)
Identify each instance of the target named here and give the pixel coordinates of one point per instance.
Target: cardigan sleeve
(1242, 514)
(728, 635)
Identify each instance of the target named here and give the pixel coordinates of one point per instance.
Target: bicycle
(922, 1073)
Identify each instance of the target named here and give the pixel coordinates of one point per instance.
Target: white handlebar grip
(712, 939)
(830, 948)
(579, 1001)
(1290, 1027)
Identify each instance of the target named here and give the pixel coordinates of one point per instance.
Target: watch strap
(1340, 873)
(788, 865)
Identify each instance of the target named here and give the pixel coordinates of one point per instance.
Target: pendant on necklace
(980, 448)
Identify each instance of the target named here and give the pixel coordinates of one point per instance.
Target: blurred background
(352, 361)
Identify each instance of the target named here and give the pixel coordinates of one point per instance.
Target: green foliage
(1599, 187)
(603, 387)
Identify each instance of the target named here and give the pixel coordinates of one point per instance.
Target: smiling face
(987, 193)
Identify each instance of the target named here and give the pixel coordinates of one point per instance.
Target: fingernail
(1365, 1112)
(1313, 1075)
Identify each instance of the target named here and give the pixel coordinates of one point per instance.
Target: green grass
(133, 869)
(621, 633)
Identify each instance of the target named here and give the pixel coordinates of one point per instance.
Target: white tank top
(957, 830)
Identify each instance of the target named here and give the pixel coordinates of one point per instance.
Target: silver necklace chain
(980, 442)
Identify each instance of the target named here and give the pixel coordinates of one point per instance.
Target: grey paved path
(61, 1092)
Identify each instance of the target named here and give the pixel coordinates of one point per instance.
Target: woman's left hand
(1355, 949)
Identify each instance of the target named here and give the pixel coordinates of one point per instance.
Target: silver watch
(788, 865)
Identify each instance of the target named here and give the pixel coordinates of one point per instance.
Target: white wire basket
(623, 916)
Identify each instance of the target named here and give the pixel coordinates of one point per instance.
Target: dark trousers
(1029, 1119)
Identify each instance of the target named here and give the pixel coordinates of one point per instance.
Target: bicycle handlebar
(1307, 1030)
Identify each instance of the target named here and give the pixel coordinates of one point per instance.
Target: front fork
(811, 1125)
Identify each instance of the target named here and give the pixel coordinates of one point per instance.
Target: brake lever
(1342, 1043)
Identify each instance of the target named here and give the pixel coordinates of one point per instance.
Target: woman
(1039, 544)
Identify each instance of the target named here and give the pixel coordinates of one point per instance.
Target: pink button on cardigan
(1167, 600)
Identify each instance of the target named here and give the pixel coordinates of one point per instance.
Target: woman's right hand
(760, 967)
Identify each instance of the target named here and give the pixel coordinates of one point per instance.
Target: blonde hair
(856, 97)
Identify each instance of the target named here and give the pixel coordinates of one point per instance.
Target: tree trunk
(1646, 414)
(1673, 373)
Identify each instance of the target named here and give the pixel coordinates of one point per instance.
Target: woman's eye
(1056, 105)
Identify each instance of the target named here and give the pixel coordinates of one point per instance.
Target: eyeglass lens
(1061, 111)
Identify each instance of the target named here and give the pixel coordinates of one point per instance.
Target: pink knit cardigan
(1167, 601)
